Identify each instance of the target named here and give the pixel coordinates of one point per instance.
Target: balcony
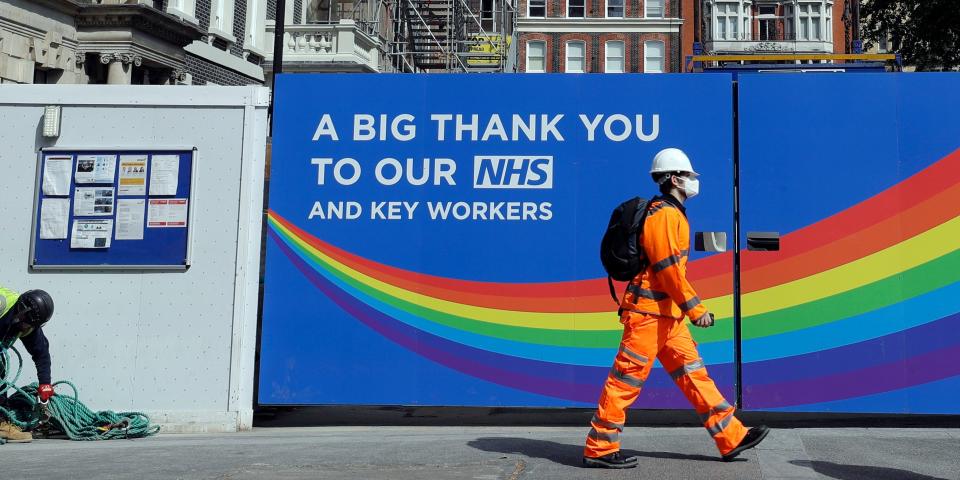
(326, 47)
(767, 42)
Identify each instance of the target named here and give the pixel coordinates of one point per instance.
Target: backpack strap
(613, 290)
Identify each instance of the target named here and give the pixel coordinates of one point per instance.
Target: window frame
(729, 19)
(663, 55)
(646, 9)
(583, 56)
(606, 56)
(543, 56)
(228, 7)
(183, 8)
(530, 8)
(622, 6)
(583, 5)
(256, 27)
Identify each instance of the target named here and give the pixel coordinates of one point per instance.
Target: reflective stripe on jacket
(662, 288)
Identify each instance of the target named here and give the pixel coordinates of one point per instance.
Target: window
(721, 27)
(256, 25)
(221, 15)
(575, 54)
(653, 57)
(788, 27)
(810, 20)
(487, 19)
(536, 54)
(654, 9)
(735, 22)
(815, 31)
(537, 8)
(615, 8)
(768, 23)
(576, 8)
(613, 63)
(182, 7)
(727, 20)
(828, 24)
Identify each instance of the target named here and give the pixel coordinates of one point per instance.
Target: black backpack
(621, 252)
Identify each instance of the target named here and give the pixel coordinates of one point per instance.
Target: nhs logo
(512, 172)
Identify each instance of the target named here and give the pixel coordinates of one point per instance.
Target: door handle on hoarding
(710, 242)
(763, 241)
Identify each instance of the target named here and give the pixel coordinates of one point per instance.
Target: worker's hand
(45, 391)
(704, 321)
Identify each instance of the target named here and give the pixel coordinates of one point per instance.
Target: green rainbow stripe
(922, 278)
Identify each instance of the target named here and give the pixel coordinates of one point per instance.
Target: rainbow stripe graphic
(863, 303)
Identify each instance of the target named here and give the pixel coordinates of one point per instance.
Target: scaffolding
(420, 36)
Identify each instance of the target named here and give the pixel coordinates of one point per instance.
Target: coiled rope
(65, 412)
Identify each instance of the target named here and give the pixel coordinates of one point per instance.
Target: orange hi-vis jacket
(662, 288)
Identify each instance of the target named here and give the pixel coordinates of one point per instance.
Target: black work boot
(754, 436)
(613, 460)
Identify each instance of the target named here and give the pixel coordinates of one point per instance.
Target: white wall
(177, 345)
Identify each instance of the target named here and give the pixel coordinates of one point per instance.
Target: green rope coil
(66, 412)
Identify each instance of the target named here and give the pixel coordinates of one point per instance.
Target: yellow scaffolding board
(791, 57)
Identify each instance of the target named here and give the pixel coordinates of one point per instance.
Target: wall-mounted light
(51, 121)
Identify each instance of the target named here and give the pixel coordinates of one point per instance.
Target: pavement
(488, 453)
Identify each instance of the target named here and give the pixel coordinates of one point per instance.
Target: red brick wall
(597, 8)
(562, 46)
(522, 51)
(688, 30)
(839, 29)
(557, 44)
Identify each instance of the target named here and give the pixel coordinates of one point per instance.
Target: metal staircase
(453, 35)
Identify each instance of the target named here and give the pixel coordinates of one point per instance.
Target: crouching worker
(653, 309)
(21, 317)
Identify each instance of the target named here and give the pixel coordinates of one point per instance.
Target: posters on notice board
(133, 175)
(91, 234)
(56, 175)
(164, 174)
(54, 218)
(130, 215)
(167, 213)
(93, 201)
(96, 168)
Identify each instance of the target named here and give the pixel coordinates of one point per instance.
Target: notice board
(113, 209)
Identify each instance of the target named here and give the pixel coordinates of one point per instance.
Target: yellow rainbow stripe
(910, 253)
(927, 246)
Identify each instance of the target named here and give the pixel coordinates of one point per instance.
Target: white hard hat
(672, 160)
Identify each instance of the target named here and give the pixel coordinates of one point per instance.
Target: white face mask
(690, 187)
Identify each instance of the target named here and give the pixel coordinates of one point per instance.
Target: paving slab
(486, 453)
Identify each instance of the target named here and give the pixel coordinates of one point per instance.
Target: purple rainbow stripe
(856, 369)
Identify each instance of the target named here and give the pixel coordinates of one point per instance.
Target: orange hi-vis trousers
(646, 337)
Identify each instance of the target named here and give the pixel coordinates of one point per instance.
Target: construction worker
(653, 310)
(21, 317)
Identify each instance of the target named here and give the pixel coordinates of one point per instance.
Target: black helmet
(32, 311)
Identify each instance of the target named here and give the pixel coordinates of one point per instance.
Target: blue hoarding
(434, 239)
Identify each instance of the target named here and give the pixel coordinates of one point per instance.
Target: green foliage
(925, 32)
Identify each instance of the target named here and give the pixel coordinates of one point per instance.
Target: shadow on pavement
(565, 454)
(861, 472)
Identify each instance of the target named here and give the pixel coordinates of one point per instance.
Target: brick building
(775, 26)
(608, 36)
(159, 42)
